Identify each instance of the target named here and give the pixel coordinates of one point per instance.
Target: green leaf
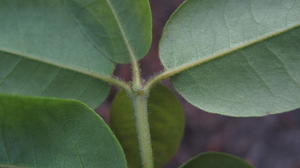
(166, 125)
(26, 77)
(242, 57)
(54, 133)
(216, 160)
(54, 43)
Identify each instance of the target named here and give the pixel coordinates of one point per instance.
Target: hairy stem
(140, 102)
(136, 75)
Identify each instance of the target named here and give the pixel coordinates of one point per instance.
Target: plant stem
(136, 75)
(140, 104)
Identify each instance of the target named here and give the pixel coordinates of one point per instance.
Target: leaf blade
(83, 37)
(27, 77)
(133, 54)
(38, 132)
(227, 75)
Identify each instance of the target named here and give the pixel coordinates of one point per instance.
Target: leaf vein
(10, 72)
(105, 78)
(121, 28)
(258, 74)
(283, 65)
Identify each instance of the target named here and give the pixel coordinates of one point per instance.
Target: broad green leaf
(27, 77)
(244, 55)
(216, 160)
(54, 43)
(166, 125)
(54, 133)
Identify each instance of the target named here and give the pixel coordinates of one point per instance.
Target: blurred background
(266, 142)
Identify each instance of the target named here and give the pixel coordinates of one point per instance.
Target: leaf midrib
(173, 71)
(22, 55)
(122, 31)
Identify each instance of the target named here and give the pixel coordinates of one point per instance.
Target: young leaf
(53, 133)
(75, 42)
(166, 125)
(216, 160)
(242, 57)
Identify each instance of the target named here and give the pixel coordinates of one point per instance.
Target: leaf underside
(53, 133)
(166, 125)
(244, 55)
(46, 46)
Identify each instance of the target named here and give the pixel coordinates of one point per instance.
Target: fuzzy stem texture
(140, 103)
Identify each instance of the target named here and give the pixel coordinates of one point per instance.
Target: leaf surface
(241, 57)
(166, 125)
(27, 77)
(216, 160)
(52, 43)
(54, 133)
